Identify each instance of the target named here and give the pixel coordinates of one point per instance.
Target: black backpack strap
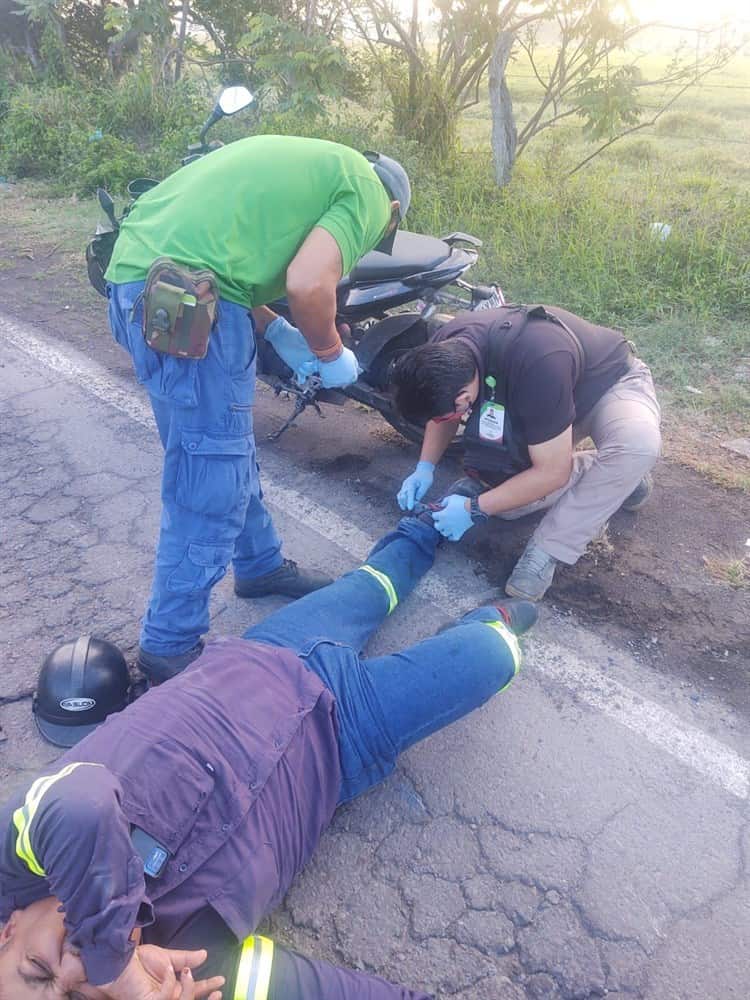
(500, 345)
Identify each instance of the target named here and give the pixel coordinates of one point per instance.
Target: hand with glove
(340, 372)
(416, 485)
(453, 520)
(292, 348)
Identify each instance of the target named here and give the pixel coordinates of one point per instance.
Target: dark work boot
(519, 615)
(466, 486)
(287, 581)
(640, 494)
(157, 669)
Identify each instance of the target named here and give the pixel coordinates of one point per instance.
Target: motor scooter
(385, 305)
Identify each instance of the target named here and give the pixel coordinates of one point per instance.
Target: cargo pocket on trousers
(203, 565)
(214, 473)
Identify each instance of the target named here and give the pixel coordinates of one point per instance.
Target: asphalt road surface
(585, 834)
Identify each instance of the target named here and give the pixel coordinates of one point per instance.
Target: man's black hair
(428, 378)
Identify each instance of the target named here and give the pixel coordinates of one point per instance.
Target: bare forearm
(437, 437)
(314, 313)
(311, 281)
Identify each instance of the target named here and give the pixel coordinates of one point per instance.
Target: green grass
(66, 223)
(586, 242)
(688, 354)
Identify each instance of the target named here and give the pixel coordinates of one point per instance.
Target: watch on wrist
(478, 516)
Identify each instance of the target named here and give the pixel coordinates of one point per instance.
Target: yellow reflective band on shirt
(24, 816)
(386, 584)
(512, 643)
(254, 970)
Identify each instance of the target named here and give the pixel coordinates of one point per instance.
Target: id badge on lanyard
(491, 416)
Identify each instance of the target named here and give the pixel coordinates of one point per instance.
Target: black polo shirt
(543, 397)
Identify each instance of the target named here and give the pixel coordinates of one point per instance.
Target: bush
(152, 114)
(635, 152)
(107, 162)
(82, 136)
(42, 130)
(690, 123)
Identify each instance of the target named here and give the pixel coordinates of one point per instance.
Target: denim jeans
(212, 504)
(385, 704)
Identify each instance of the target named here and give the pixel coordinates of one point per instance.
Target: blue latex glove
(341, 372)
(453, 519)
(416, 485)
(292, 348)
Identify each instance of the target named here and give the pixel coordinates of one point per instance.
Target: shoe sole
(279, 593)
(512, 591)
(632, 508)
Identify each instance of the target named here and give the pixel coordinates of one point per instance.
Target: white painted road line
(691, 746)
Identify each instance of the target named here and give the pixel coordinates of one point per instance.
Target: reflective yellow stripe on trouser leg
(509, 637)
(254, 971)
(386, 584)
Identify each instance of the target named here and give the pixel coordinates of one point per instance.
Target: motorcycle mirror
(231, 100)
(234, 99)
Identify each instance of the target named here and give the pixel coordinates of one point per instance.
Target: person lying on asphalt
(178, 824)
(530, 383)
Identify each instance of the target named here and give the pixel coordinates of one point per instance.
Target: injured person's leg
(385, 704)
(352, 607)
(439, 680)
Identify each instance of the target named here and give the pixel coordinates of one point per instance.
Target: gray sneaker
(640, 494)
(531, 575)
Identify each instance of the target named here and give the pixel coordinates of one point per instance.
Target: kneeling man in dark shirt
(530, 382)
(229, 773)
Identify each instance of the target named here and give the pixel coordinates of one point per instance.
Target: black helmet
(396, 182)
(80, 684)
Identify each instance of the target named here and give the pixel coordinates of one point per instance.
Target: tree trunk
(504, 132)
(181, 41)
(311, 16)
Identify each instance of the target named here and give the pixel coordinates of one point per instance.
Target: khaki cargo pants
(624, 426)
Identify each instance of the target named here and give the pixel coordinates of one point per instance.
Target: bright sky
(682, 13)
(693, 13)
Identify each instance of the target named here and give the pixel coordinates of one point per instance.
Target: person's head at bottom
(36, 959)
(38, 962)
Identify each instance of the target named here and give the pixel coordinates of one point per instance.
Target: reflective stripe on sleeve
(510, 639)
(254, 971)
(386, 584)
(23, 817)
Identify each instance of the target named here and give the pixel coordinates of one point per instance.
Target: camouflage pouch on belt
(179, 309)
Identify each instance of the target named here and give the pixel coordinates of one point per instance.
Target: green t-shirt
(245, 210)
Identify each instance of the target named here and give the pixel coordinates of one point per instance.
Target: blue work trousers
(385, 704)
(212, 503)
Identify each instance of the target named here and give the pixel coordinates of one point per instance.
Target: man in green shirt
(269, 215)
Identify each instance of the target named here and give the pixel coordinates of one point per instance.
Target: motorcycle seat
(412, 254)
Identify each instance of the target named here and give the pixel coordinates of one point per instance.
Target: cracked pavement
(537, 849)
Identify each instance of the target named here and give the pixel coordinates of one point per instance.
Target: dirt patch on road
(647, 585)
(654, 584)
